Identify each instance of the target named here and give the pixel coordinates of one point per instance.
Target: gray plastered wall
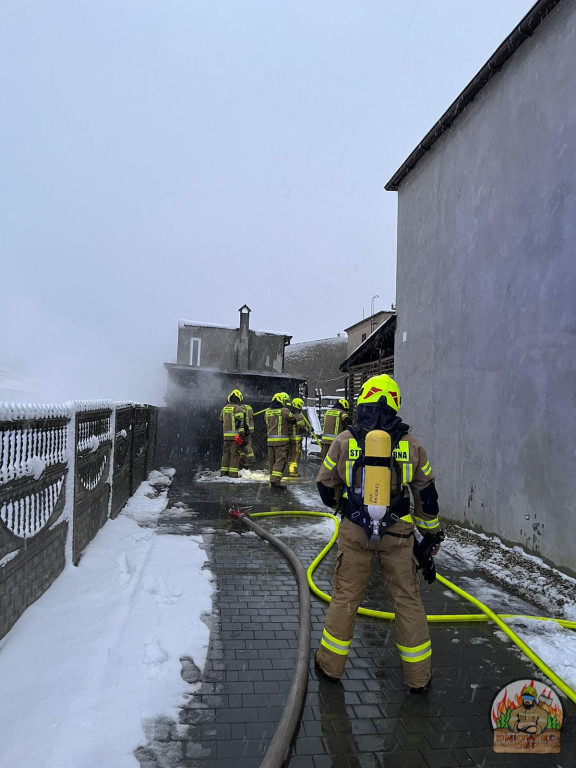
(486, 299)
(220, 348)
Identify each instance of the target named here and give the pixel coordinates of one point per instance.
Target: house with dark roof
(374, 356)
(318, 362)
(485, 350)
(211, 361)
(358, 332)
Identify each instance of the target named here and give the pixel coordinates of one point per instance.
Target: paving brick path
(368, 719)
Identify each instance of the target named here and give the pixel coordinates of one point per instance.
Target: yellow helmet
(344, 403)
(282, 397)
(298, 403)
(236, 393)
(380, 388)
(529, 692)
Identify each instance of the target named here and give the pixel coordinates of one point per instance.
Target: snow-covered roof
(315, 342)
(200, 324)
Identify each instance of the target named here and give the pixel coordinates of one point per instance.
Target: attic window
(195, 346)
(363, 337)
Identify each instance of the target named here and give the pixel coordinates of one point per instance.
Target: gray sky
(167, 159)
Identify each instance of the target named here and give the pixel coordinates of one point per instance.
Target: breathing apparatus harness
(373, 507)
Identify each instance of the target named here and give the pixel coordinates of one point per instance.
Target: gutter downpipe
(277, 751)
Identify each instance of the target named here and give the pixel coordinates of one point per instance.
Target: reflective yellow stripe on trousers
(415, 653)
(341, 647)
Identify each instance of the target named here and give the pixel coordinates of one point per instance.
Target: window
(363, 337)
(195, 345)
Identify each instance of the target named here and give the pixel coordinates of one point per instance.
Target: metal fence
(64, 470)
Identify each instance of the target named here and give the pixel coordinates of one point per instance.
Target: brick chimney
(244, 339)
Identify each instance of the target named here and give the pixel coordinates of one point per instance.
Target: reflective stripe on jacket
(415, 474)
(278, 421)
(248, 410)
(232, 418)
(334, 423)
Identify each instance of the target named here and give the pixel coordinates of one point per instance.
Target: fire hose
(283, 736)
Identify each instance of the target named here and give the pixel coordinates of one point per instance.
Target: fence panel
(123, 458)
(140, 449)
(33, 469)
(152, 434)
(91, 480)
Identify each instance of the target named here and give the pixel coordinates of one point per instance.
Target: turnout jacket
(232, 418)
(299, 428)
(249, 417)
(278, 424)
(411, 471)
(335, 421)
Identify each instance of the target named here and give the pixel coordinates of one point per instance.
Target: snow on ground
(318, 529)
(96, 659)
(555, 645)
(514, 570)
(308, 497)
(490, 595)
(247, 476)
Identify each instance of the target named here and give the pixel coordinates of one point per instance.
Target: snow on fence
(64, 470)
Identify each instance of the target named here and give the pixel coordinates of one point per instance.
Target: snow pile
(35, 467)
(555, 645)
(553, 592)
(97, 657)
(246, 476)
(150, 498)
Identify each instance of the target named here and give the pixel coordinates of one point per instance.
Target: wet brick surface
(368, 718)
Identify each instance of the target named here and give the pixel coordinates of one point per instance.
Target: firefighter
(335, 421)
(278, 421)
(247, 459)
(298, 430)
(232, 417)
(340, 484)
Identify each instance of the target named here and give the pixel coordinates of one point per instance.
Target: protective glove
(423, 552)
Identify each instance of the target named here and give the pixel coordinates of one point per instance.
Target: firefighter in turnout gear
(385, 530)
(335, 421)
(247, 459)
(232, 417)
(298, 430)
(278, 423)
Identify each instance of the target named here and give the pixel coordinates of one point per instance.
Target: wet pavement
(368, 718)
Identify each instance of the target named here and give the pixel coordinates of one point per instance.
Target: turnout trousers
(294, 453)
(230, 458)
(351, 577)
(277, 455)
(248, 457)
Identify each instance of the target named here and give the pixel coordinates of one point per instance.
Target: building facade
(485, 350)
(212, 360)
(373, 357)
(359, 332)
